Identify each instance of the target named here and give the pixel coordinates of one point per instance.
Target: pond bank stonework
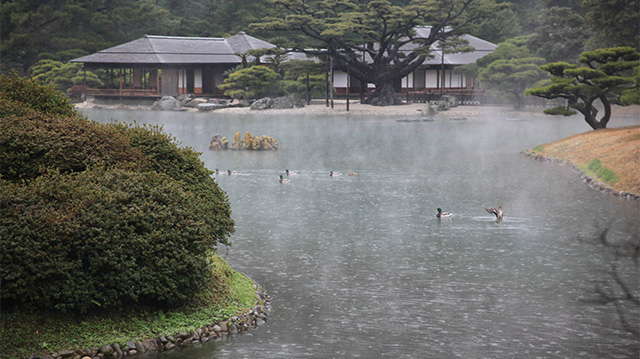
(585, 178)
(237, 324)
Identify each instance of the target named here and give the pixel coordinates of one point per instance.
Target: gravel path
(318, 107)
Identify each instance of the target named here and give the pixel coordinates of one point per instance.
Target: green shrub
(102, 238)
(100, 216)
(252, 83)
(559, 110)
(43, 98)
(37, 142)
(163, 155)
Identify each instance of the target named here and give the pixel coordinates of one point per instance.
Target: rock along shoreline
(241, 323)
(593, 183)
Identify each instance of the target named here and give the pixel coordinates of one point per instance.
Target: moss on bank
(610, 156)
(26, 333)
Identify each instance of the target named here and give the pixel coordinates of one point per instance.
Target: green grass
(26, 333)
(539, 148)
(596, 170)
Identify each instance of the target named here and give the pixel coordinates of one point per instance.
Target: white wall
(418, 79)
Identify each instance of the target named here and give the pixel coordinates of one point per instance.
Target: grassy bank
(26, 333)
(610, 156)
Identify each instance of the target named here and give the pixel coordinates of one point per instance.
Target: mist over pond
(359, 266)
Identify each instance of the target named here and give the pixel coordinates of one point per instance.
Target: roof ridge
(184, 37)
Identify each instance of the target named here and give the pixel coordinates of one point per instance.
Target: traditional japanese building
(437, 74)
(155, 66)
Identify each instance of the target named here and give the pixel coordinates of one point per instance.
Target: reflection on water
(359, 266)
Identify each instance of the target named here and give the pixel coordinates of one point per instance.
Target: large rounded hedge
(100, 216)
(102, 238)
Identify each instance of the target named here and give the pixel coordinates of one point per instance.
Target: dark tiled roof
(177, 50)
(170, 50)
(481, 47)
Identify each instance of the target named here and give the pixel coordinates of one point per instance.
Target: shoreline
(318, 107)
(605, 159)
(592, 182)
(175, 329)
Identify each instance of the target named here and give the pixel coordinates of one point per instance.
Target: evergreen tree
(603, 75)
(365, 38)
(560, 35)
(614, 23)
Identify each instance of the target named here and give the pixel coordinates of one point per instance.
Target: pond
(360, 267)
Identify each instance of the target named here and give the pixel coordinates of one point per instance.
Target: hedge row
(99, 216)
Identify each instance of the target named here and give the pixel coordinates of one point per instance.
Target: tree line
(366, 38)
(61, 30)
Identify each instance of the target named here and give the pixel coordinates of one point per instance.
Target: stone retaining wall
(232, 326)
(585, 178)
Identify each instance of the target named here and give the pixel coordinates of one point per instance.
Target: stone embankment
(593, 183)
(232, 326)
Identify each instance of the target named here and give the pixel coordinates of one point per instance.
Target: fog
(359, 266)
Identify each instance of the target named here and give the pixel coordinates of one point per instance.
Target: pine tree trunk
(590, 113)
(384, 95)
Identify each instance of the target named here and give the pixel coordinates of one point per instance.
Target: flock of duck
(498, 212)
(331, 174)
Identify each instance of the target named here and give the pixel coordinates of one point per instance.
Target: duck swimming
(334, 174)
(289, 172)
(284, 180)
(498, 212)
(441, 214)
(230, 172)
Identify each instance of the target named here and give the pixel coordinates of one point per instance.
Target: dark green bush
(38, 142)
(102, 238)
(43, 98)
(100, 216)
(559, 110)
(163, 155)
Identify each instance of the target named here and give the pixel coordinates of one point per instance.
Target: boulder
(233, 329)
(166, 103)
(139, 347)
(193, 103)
(106, 350)
(184, 98)
(183, 335)
(66, 354)
(262, 104)
(239, 103)
(116, 349)
(428, 110)
(150, 344)
(440, 105)
(131, 344)
(286, 102)
(223, 326)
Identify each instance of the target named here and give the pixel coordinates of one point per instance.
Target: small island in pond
(250, 142)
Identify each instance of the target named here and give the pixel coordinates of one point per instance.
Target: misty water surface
(359, 267)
